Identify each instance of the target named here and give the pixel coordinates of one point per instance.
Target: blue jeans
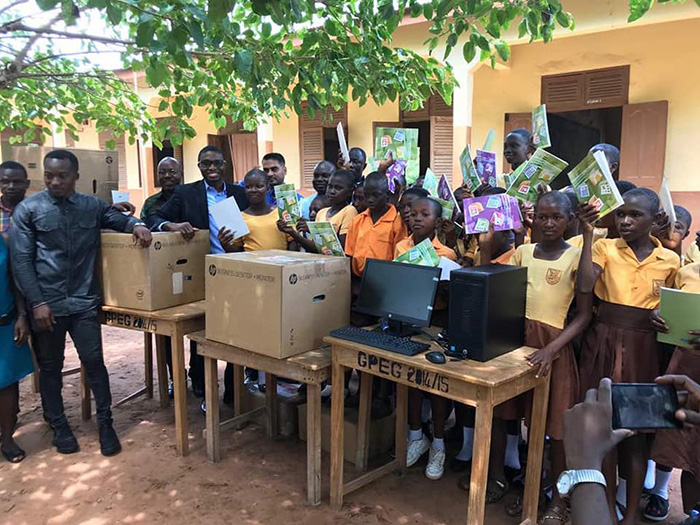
(86, 331)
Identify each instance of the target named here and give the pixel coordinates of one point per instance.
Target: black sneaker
(64, 440)
(109, 442)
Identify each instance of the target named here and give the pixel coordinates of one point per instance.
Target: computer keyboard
(391, 343)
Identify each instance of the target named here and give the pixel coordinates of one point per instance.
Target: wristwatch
(570, 478)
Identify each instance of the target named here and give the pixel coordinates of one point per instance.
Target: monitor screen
(399, 291)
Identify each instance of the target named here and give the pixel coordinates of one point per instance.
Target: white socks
(650, 479)
(661, 486)
(621, 497)
(415, 435)
(438, 444)
(512, 453)
(467, 444)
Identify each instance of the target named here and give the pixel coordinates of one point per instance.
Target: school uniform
(551, 286)
(692, 255)
(341, 221)
(441, 249)
(504, 258)
(672, 448)
(264, 234)
(598, 233)
(622, 343)
(374, 240)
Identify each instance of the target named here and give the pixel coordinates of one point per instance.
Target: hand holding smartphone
(642, 406)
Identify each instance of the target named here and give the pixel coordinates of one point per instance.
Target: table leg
(401, 443)
(313, 443)
(271, 404)
(337, 438)
(148, 360)
(179, 384)
(480, 463)
(533, 476)
(162, 365)
(85, 400)
(211, 393)
(364, 415)
(237, 390)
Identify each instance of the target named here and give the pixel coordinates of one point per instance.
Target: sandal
(556, 513)
(515, 509)
(657, 509)
(496, 489)
(16, 455)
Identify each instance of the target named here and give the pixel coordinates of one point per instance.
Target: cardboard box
(274, 302)
(381, 432)
(168, 273)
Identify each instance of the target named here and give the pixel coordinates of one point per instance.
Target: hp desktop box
(487, 311)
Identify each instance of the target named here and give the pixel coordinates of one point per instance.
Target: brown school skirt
(563, 392)
(620, 345)
(681, 448)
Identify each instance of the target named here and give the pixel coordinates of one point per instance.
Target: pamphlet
(681, 311)
(413, 170)
(447, 265)
(470, 178)
(541, 168)
(448, 208)
(288, 203)
(430, 183)
(227, 214)
(444, 193)
(395, 174)
(325, 238)
(422, 254)
(486, 167)
(500, 210)
(343, 144)
(594, 184)
(402, 143)
(119, 196)
(540, 127)
(667, 204)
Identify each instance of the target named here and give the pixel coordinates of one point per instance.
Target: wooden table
(175, 323)
(481, 385)
(311, 368)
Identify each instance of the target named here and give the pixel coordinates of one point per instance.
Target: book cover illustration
(401, 143)
(325, 238)
(594, 184)
(470, 178)
(500, 210)
(422, 254)
(541, 168)
(287, 203)
(444, 193)
(540, 127)
(430, 183)
(486, 167)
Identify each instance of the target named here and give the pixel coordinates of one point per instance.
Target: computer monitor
(402, 293)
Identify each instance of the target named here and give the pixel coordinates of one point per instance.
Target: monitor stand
(398, 328)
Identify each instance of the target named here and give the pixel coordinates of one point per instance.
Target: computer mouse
(435, 357)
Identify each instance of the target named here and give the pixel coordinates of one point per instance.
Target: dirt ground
(258, 481)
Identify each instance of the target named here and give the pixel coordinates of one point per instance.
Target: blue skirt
(15, 361)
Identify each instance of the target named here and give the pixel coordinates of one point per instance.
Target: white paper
(119, 196)
(177, 283)
(667, 204)
(447, 266)
(226, 213)
(343, 144)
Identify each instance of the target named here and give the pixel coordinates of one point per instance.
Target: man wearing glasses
(188, 210)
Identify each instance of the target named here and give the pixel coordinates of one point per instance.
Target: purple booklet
(500, 210)
(486, 167)
(445, 193)
(395, 174)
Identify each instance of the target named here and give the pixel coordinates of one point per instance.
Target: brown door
(311, 153)
(441, 146)
(643, 145)
(245, 153)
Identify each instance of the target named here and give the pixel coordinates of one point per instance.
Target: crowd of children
(592, 300)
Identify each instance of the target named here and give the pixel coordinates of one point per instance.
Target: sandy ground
(258, 481)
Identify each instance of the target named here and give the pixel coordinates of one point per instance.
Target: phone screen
(638, 406)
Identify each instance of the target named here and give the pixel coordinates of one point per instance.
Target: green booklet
(288, 203)
(448, 208)
(401, 142)
(430, 183)
(324, 237)
(469, 175)
(542, 167)
(422, 254)
(681, 311)
(412, 173)
(540, 127)
(594, 184)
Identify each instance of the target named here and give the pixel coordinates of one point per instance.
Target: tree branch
(23, 53)
(12, 4)
(78, 36)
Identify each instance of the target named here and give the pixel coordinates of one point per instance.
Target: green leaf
(638, 8)
(452, 40)
(46, 4)
(266, 30)
(144, 34)
(469, 51)
(156, 72)
(428, 11)
(563, 19)
(417, 9)
(243, 61)
(69, 11)
(503, 49)
(522, 28)
(114, 13)
(219, 9)
(163, 105)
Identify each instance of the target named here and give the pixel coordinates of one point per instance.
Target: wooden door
(311, 153)
(244, 151)
(643, 147)
(441, 138)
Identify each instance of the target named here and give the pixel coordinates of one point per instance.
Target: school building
(632, 85)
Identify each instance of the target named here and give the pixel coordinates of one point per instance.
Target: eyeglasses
(206, 164)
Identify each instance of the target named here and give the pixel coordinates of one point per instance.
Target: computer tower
(487, 311)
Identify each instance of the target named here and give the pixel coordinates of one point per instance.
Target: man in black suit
(188, 210)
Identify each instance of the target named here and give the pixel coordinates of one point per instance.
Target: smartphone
(644, 406)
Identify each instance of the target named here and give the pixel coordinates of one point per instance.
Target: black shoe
(198, 390)
(64, 440)
(109, 442)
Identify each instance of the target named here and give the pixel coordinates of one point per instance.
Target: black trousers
(86, 332)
